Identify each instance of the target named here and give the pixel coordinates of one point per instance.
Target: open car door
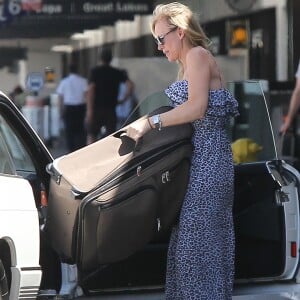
(266, 206)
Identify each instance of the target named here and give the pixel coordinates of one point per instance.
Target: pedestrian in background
(126, 100)
(294, 104)
(201, 249)
(102, 99)
(72, 92)
(18, 96)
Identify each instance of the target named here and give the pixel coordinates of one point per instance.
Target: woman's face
(169, 41)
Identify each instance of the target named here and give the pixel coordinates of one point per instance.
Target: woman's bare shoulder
(197, 54)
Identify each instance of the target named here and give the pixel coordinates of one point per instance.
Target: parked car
(266, 214)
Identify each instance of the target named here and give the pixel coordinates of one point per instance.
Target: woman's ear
(181, 33)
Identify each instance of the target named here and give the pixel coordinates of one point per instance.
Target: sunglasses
(160, 40)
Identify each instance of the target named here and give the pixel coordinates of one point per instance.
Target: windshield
(250, 133)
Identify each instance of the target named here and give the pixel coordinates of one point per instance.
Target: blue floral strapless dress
(201, 250)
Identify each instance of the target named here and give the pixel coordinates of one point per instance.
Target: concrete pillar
(282, 40)
(22, 72)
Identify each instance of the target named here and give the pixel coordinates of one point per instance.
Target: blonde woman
(201, 250)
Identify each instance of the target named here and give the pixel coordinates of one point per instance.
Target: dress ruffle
(221, 102)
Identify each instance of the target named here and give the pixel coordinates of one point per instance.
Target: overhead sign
(34, 81)
(9, 9)
(114, 7)
(31, 5)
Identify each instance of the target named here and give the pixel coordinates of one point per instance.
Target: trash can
(36, 114)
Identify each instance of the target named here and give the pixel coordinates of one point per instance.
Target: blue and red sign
(10, 9)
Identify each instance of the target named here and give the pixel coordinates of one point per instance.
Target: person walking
(202, 246)
(102, 99)
(72, 92)
(126, 101)
(294, 104)
(18, 96)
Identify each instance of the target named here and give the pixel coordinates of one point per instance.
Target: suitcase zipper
(128, 195)
(130, 169)
(165, 178)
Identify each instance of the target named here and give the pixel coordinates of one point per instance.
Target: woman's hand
(137, 129)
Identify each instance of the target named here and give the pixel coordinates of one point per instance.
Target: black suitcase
(109, 199)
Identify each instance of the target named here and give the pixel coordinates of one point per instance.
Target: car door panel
(24, 156)
(17, 208)
(266, 204)
(259, 224)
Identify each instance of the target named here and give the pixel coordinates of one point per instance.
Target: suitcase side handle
(128, 144)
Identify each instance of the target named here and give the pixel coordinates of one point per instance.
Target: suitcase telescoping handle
(129, 144)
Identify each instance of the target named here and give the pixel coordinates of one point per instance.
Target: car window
(6, 165)
(251, 133)
(13, 151)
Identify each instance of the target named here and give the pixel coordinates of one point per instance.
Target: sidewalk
(57, 147)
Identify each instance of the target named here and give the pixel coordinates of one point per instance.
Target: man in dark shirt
(104, 81)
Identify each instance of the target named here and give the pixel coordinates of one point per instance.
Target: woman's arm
(293, 107)
(198, 74)
(90, 98)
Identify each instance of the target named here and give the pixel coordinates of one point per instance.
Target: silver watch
(156, 122)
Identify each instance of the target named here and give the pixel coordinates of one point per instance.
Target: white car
(266, 215)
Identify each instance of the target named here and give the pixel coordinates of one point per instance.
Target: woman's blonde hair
(180, 15)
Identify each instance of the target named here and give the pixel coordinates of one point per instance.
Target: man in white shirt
(294, 104)
(72, 91)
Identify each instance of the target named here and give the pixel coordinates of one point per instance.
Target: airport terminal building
(253, 39)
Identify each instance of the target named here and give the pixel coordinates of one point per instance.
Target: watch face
(241, 5)
(155, 119)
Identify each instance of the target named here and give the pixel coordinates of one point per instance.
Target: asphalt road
(58, 147)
